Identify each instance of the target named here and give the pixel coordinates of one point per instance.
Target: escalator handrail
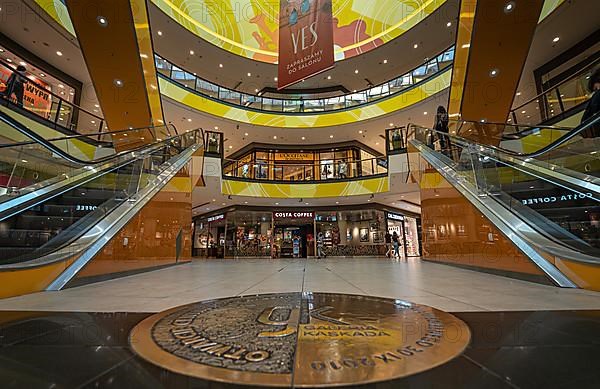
(48, 142)
(70, 137)
(595, 120)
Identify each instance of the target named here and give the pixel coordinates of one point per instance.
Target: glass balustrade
(300, 105)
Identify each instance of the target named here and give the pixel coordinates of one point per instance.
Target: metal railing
(305, 105)
(560, 98)
(58, 111)
(318, 170)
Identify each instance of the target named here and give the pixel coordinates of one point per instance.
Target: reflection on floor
(444, 287)
(508, 350)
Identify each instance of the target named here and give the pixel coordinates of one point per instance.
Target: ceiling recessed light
(22, 63)
(159, 32)
(523, 111)
(391, 124)
(329, 77)
(274, 136)
(118, 83)
(449, 24)
(59, 53)
(216, 127)
(425, 113)
(509, 7)
(189, 119)
(102, 21)
(494, 72)
(42, 75)
(376, 143)
(245, 134)
(416, 45)
(93, 122)
(220, 65)
(385, 61)
(331, 136)
(275, 78)
(303, 138)
(356, 71)
(556, 39)
(230, 146)
(466, 46)
(518, 93)
(360, 131)
(61, 86)
(249, 74)
(96, 105)
(191, 52)
(8, 60)
(276, 203)
(256, 90)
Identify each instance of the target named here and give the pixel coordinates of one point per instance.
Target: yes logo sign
(305, 40)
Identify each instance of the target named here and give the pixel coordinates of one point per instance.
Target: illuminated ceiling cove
(250, 27)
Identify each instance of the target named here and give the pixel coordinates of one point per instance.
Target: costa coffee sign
(293, 215)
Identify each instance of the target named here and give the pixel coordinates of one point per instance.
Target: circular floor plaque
(300, 339)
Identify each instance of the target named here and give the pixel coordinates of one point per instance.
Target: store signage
(394, 216)
(215, 218)
(556, 199)
(293, 215)
(80, 207)
(36, 96)
(305, 40)
(294, 156)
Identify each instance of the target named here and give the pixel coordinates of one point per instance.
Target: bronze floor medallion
(300, 339)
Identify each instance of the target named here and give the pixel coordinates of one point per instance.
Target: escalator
(546, 201)
(59, 206)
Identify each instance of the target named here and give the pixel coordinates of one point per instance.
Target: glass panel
(272, 105)
(313, 106)
(229, 96)
(207, 88)
(356, 99)
(183, 77)
(292, 105)
(163, 66)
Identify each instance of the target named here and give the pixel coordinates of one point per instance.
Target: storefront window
(412, 237)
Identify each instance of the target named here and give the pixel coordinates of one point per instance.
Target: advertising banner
(305, 40)
(36, 96)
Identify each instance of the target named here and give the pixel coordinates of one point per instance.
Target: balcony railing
(316, 171)
(550, 104)
(305, 105)
(54, 109)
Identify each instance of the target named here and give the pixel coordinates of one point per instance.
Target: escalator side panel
(149, 239)
(456, 233)
(586, 276)
(24, 281)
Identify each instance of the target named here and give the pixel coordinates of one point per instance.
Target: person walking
(388, 244)
(16, 84)
(396, 242)
(441, 125)
(320, 245)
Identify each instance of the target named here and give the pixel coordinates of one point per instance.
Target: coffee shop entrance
(294, 234)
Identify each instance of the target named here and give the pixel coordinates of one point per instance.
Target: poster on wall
(305, 40)
(364, 235)
(36, 94)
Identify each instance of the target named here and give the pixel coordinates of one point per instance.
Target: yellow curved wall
(306, 191)
(381, 107)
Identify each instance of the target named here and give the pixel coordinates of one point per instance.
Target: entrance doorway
(293, 241)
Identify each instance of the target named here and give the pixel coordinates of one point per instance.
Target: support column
(493, 41)
(114, 36)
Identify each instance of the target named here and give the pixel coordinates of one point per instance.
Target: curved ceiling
(249, 28)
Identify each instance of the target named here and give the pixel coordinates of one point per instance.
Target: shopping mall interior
(299, 193)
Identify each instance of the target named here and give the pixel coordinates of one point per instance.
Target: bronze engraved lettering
(322, 339)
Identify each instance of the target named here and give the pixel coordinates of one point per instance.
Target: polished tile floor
(444, 287)
(554, 349)
(525, 335)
